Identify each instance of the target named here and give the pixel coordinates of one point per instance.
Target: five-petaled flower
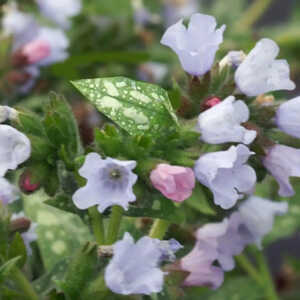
(109, 182)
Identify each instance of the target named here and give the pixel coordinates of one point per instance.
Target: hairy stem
(114, 224)
(245, 264)
(97, 225)
(159, 229)
(268, 280)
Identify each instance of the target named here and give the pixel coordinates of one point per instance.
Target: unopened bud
(26, 183)
(36, 51)
(232, 59)
(19, 225)
(7, 113)
(210, 102)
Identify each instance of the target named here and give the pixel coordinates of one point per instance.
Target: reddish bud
(210, 102)
(26, 183)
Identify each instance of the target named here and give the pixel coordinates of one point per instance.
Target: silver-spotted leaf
(138, 107)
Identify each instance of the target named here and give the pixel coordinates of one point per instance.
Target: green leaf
(30, 123)
(8, 266)
(79, 272)
(59, 232)
(137, 107)
(9, 294)
(18, 249)
(64, 202)
(46, 283)
(61, 126)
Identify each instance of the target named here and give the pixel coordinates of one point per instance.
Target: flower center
(115, 174)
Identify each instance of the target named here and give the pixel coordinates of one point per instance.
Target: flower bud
(174, 182)
(20, 225)
(36, 51)
(27, 183)
(210, 102)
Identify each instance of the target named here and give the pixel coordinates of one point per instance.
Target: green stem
(114, 224)
(159, 229)
(24, 284)
(244, 262)
(253, 13)
(97, 225)
(268, 280)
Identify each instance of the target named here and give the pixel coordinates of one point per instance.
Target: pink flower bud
(26, 183)
(36, 51)
(174, 182)
(210, 102)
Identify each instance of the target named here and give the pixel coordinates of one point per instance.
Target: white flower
(175, 10)
(258, 215)
(8, 192)
(7, 113)
(260, 72)
(222, 123)
(283, 162)
(232, 59)
(134, 268)
(28, 236)
(109, 182)
(60, 11)
(226, 174)
(288, 117)
(196, 46)
(14, 148)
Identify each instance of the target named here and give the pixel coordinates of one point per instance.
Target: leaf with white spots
(59, 233)
(138, 107)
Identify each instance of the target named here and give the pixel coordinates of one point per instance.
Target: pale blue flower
(226, 174)
(283, 162)
(222, 123)
(261, 72)
(109, 182)
(134, 267)
(258, 215)
(196, 46)
(8, 192)
(288, 117)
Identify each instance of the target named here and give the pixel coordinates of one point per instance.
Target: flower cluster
(160, 158)
(35, 45)
(228, 173)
